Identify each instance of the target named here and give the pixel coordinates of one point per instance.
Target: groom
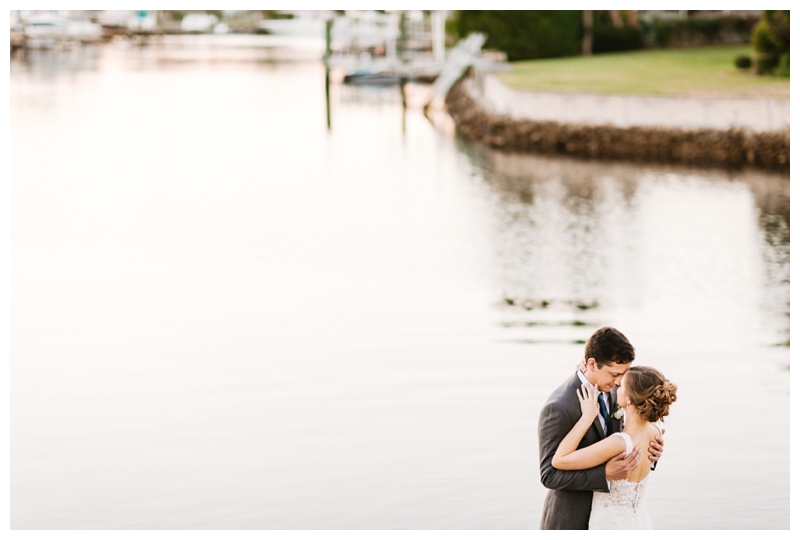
(607, 358)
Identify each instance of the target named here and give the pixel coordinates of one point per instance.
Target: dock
(386, 47)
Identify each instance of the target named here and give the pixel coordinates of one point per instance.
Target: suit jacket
(569, 496)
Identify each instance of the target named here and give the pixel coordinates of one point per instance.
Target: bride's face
(622, 398)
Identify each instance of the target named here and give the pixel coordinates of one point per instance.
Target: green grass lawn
(701, 71)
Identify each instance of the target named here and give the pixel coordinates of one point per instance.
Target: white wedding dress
(623, 506)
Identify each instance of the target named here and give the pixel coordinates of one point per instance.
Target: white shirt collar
(584, 380)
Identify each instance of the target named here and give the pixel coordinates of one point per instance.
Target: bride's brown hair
(650, 392)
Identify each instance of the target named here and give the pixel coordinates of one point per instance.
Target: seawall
(703, 132)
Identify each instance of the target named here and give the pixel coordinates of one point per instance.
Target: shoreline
(534, 125)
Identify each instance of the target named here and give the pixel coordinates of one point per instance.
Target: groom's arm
(554, 424)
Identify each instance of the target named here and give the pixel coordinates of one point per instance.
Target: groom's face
(606, 376)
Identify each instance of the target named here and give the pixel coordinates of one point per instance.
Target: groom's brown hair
(608, 345)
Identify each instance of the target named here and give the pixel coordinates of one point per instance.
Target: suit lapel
(576, 384)
(615, 427)
(599, 427)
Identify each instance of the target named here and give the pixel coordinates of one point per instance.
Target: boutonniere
(619, 412)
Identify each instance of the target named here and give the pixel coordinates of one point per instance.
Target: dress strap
(628, 441)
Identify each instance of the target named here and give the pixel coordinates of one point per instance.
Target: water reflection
(573, 237)
(170, 52)
(52, 63)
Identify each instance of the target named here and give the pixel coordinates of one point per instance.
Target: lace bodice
(622, 493)
(623, 506)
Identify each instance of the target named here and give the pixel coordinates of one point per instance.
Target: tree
(770, 39)
(587, 32)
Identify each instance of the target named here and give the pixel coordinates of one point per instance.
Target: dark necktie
(604, 412)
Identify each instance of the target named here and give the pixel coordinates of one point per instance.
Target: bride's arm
(591, 456)
(567, 456)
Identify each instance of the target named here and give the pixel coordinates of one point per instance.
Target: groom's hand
(656, 448)
(620, 466)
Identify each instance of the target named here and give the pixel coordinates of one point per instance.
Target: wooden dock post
(328, 38)
(403, 36)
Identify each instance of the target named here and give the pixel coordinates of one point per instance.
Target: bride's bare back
(641, 439)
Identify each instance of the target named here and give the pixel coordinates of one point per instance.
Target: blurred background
(260, 280)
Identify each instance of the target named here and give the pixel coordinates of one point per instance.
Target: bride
(645, 395)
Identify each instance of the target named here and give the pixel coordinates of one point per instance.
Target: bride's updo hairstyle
(650, 392)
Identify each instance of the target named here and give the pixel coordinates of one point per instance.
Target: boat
(371, 77)
(48, 30)
(198, 23)
(297, 26)
(84, 31)
(44, 31)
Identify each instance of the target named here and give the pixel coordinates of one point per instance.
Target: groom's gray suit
(569, 497)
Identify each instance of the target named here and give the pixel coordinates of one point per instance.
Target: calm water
(224, 315)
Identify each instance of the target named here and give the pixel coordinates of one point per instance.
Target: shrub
(765, 63)
(778, 22)
(611, 38)
(762, 39)
(698, 31)
(524, 34)
(783, 66)
(771, 41)
(709, 29)
(743, 62)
